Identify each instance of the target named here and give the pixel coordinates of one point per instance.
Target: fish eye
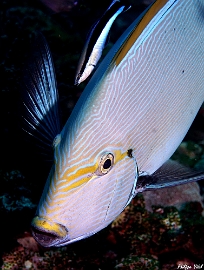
(105, 164)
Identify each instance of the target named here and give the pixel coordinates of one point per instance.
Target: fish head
(83, 196)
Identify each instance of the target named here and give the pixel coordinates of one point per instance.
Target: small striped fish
(129, 120)
(96, 41)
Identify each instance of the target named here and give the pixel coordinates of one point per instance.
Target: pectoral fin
(169, 174)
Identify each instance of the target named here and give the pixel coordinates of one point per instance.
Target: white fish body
(130, 119)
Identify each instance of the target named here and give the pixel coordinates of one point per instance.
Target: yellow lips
(50, 227)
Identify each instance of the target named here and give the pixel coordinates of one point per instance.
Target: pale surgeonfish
(129, 120)
(96, 40)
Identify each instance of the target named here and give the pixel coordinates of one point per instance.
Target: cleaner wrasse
(96, 40)
(129, 120)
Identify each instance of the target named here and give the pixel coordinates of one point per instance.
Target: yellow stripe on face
(70, 176)
(83, 175)
(71, 181)
(155, 8)
(119, 155)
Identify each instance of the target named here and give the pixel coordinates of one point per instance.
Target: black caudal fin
(169, 174)
(40, 96)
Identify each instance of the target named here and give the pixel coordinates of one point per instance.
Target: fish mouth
(48, 233)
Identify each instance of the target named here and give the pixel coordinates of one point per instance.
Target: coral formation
(138, 239)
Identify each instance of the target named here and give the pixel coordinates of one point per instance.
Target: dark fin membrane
(170, 174)
(40, 97)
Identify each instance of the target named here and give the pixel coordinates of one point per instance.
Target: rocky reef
(138, 239)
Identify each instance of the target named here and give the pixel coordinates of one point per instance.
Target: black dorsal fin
(40, 96)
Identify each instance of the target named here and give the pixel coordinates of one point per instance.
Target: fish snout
(48, 233)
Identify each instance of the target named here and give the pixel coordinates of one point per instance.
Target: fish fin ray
(40, 96)
(171, 173)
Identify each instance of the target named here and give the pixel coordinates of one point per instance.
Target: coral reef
(137, 239)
